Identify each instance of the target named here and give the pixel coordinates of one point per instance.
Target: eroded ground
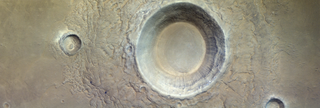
(274, 53)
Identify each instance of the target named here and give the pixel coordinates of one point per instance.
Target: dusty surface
(274, 53)
(179, 41)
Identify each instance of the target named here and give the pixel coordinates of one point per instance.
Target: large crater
(180, 50)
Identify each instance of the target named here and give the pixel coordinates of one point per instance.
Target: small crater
(62, 101)
(275, 103)
(6, 105)
(179, 105)
(129, 49)
(70, 44)
(143, 89)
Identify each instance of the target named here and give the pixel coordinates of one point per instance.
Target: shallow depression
(275, 103)
(70, 44)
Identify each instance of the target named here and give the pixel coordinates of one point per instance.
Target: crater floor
(272, 54)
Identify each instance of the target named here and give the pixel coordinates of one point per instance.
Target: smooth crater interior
(180, 48)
